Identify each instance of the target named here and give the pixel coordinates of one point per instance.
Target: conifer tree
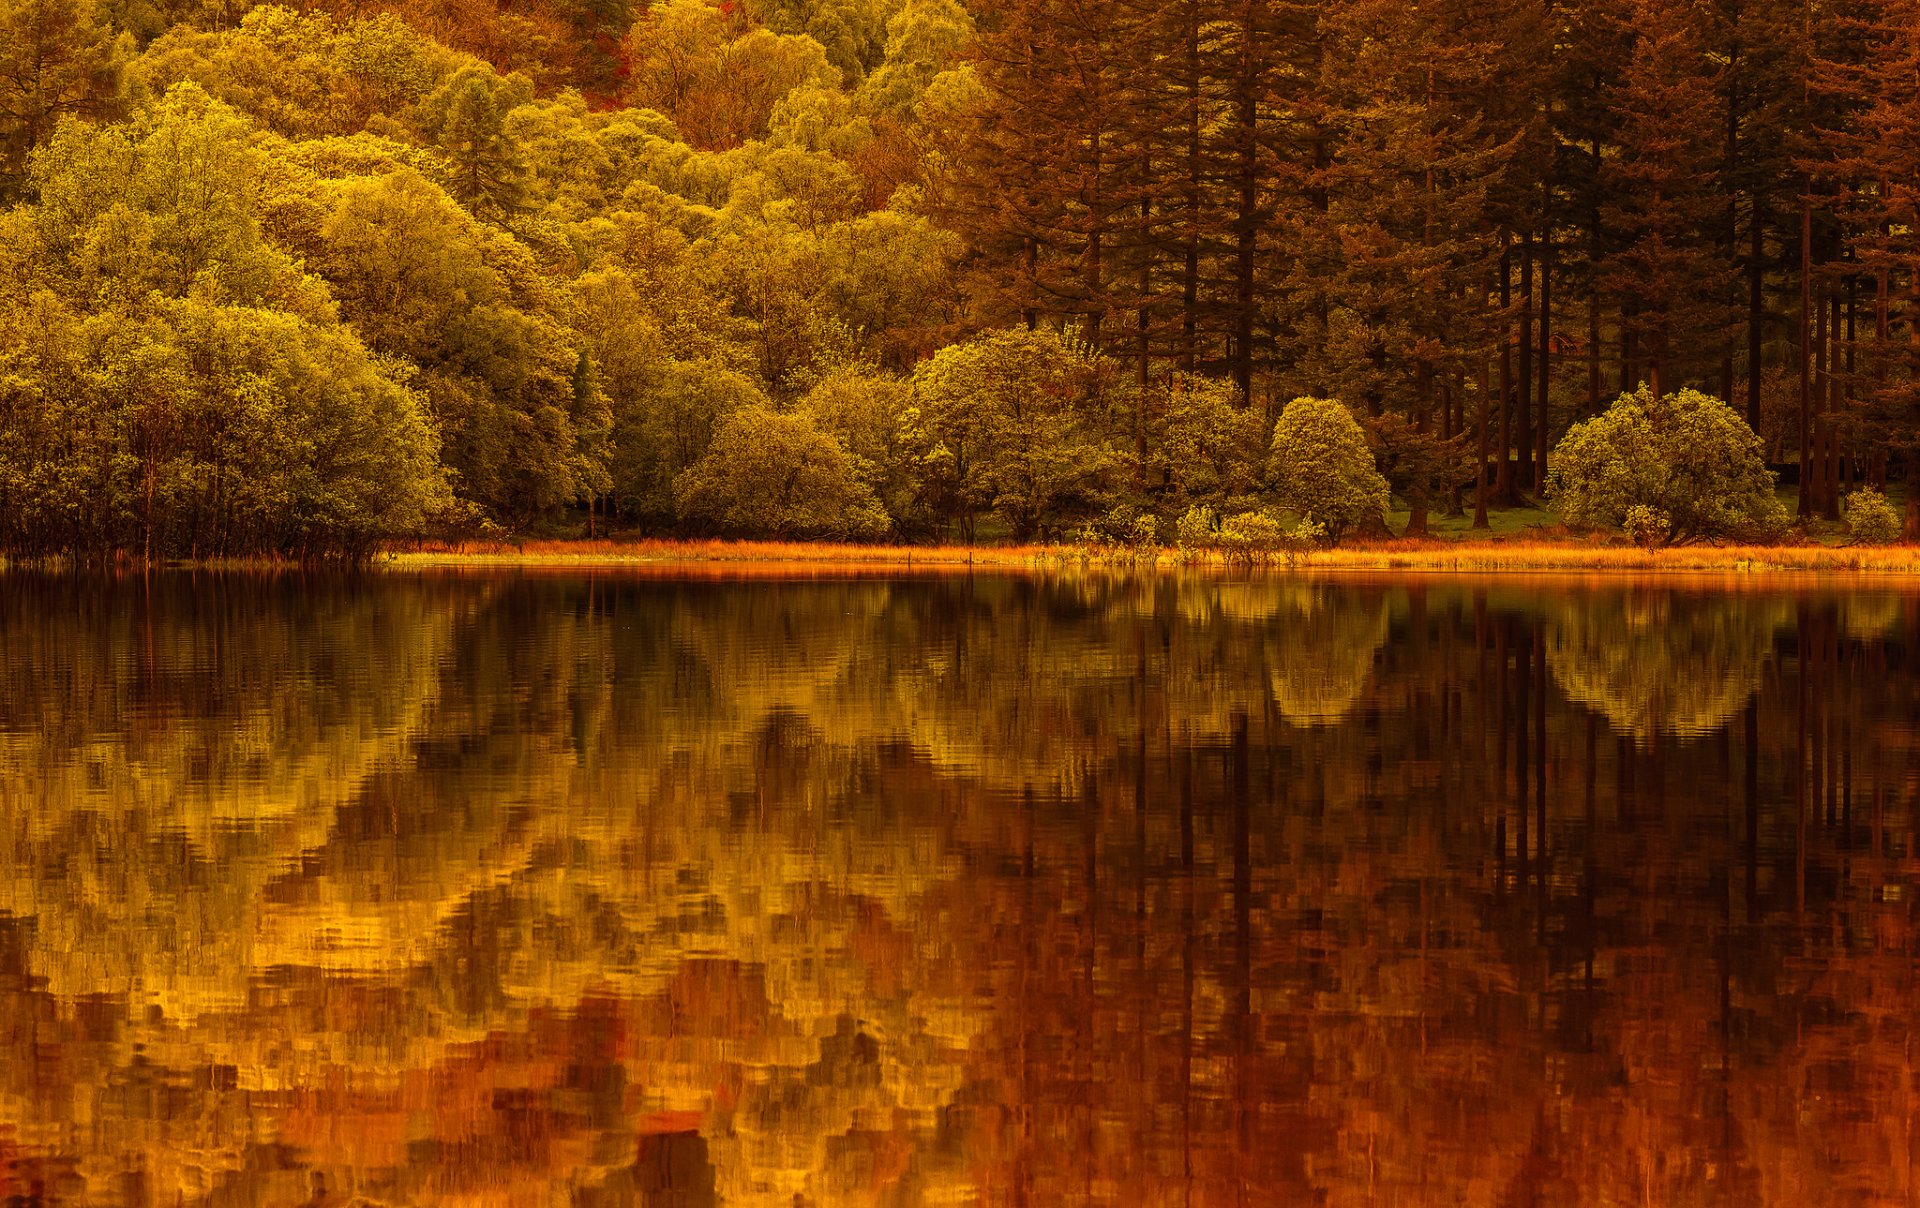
(1671, 290)
(1874, 156)
(54, 60)
(1410, 189)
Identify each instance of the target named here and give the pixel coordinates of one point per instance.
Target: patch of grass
(1568, 555)
(1498, 554)
(663, 552)
(1501, 522)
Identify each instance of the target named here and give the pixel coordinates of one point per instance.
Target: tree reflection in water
(1672, 662)
(998, 890)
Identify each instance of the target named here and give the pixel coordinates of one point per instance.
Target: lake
(629, 889)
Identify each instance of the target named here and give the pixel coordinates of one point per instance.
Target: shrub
(1251, 535)
(1685, 456)
(1307, 534)
(1872, 519)
(1648, 526)
(1123, 530)
(1143, 532)
(1195, 529)
(1132, 527)
(1320, 466)
(1245, 536)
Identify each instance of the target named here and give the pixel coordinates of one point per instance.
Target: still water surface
(1001, 890)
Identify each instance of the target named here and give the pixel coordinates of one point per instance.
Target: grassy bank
(1493, 555)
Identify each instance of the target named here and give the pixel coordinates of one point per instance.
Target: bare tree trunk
(1480, 443)
(1190, 240)
(1503, 467)
(1756, 310)
(1523, 425)
(1422, 423)
(1593, 295)
(1246, 221)
(1806, 350)
(1542, 428)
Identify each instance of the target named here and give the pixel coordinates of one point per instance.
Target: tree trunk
(1480, 444)
(1246, 219)
(1756, 310)
(1143, 328)
(1817, 485)
(1910, 530)
(1629, 348)
(1190, 239)
(1806, 350)
(1503, 467)
(1450, 424)
(1541, 426)
(1523, 424)
(1027, 312)
(1593, 294)
(1836, 386)
(1422, 422)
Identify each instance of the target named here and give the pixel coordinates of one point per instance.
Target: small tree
(1685, 456)
(1871, 519)
(1022, 423)
(1202, 446)
(772, 475)
(1321, 466)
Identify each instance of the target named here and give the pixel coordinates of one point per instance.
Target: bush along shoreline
(1653, 472)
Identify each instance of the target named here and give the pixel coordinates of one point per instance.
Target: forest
(288, 282)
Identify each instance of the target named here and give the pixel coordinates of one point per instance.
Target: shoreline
(1475, 558)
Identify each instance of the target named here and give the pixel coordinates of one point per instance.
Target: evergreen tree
(1672, 292)
(54, 60)
(1411, 187)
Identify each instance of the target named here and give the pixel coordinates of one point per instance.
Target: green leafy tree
(1020, 423)
(773, 475)
(1202, 446)
(1685, 455)
(303, 75)
(664, 429)
(862, 410)
(1320, 466)
(171, 202)
(422, 280)
(923, 38)
(184, 428)
(890, 278)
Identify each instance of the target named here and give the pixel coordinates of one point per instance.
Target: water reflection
(970, 890)
(1665, 661)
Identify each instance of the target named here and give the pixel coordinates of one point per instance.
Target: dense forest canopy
(302, 281)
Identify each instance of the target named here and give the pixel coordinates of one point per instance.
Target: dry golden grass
(718, 557)
(1467, 557)
(1480, 557)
